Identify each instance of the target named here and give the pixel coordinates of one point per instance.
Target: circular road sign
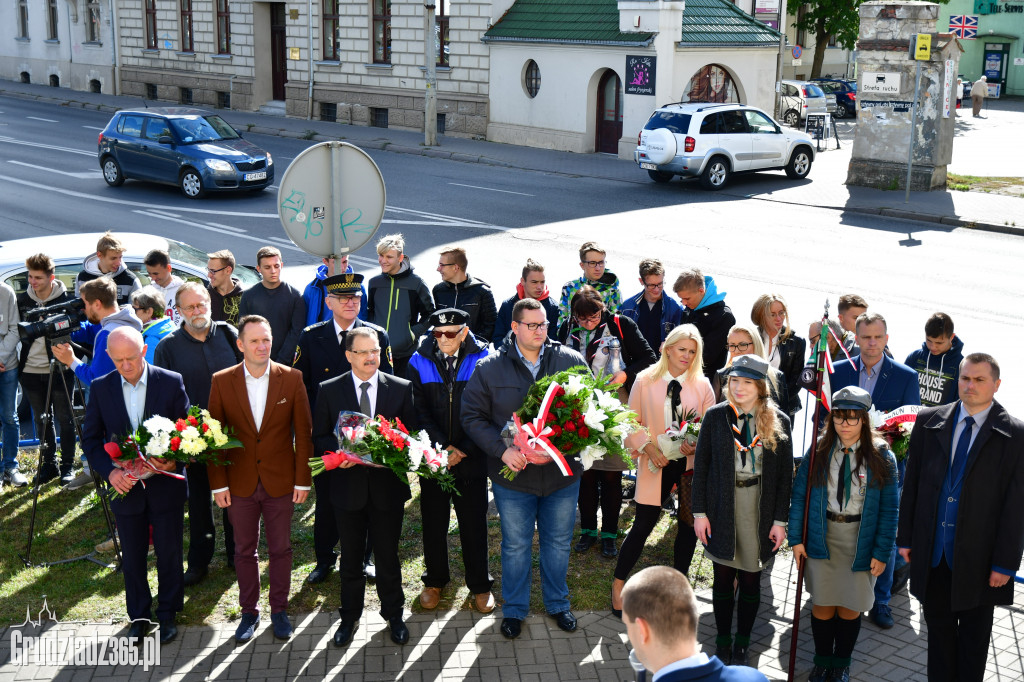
(797, 51)
(331, 199)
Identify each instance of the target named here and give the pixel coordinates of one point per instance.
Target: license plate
(262, 175)
(649, 166)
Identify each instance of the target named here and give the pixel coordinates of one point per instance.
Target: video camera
(56, 322)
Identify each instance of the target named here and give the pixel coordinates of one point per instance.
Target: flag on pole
(826, 382)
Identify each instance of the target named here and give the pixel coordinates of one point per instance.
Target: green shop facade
(997, 48)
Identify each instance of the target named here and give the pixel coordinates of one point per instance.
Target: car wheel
(716, 173)
(792, 118)
(660, 176)
(112, 172)
(799, 163)
(841, 111)
(192, 184)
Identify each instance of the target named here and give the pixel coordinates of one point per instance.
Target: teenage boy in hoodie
(224, 289)
(11, 431)
(399, 301)
(654, 313)
(592, 262)
(937, 362)
(704, 307)
(531, 285)
(315, 292)
(107, 261)
(34, 373)
(158, 267)
(458, 290)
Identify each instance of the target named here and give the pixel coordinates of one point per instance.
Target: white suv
(712, 141)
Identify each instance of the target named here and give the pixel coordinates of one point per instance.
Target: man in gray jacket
(9, 386)
(539, 495)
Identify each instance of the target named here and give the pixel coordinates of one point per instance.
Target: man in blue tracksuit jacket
(313, 294)
(654, 313)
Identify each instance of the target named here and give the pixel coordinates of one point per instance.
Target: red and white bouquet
(669, 442)
(383, 443)
(896, 427)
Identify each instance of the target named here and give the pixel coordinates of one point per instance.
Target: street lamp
(430, 100)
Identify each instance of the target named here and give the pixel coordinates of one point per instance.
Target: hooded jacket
(937, 375)
(314, 293)
(169, 291)
(101, 363)
(402, 305)
(713, 319)
(35, 356)
(125, 279)
(472, 296)
(607, 286)
(504, 323)
(153, 332)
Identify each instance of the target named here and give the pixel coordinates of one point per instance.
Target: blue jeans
(9, 419)
(554, 516)
(883, 586)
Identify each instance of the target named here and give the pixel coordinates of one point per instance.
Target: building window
(378, 117)
(531, 78)
(801, 34)
(92, 22)
(223, 27)
(382, 32)
(54, 80)
(23, 18)
(51, 19)
(330, 29)
(151, 91)
(151, 24)
(184, 95)
(223, 100)
(440, 124)
(441, 34)
(186, 26)
(329, 111)
(95, 86)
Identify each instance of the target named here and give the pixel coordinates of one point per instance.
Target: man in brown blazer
(266, 405)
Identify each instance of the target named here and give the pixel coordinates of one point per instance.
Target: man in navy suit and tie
(366, 500)
(118, 403)
(659, 610)
(962, 519)
(891, 385)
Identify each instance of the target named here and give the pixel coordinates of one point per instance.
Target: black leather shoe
(585, 543)
(724, 654)
(820, 674)
(565, 620)
(137, 631)
(840, 674)
(511, 627)
(231, 563)
(740, 655)
(399, 632)
(608, 550)
(194, 576)
(47, 472)
(343, 635)
(320, 573)
(370, 571)
(168, 631)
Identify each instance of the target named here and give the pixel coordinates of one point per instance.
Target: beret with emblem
(347, 284)
(449, 316)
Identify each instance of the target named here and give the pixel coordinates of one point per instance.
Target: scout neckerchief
(748, 442)
(845, 484)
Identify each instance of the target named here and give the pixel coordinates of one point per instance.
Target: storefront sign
(947, 89)
(640, 72)
(766, 6)
(1001, 7)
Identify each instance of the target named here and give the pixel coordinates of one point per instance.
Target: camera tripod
(47, 420)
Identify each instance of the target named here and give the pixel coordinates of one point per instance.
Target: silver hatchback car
(800, 98)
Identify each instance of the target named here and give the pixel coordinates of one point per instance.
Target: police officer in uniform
(321, 356)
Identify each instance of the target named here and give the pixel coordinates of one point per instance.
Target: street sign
(923, 47)
(331, 199)
(798, 62)
(797, 51)
(880, 82)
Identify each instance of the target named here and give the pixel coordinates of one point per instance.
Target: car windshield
(676, 123)
(203, 129)
(814, 91)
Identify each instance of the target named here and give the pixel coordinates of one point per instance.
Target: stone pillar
(882, 140)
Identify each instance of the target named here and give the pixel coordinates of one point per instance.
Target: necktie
(341, 339)
(844, 485)
(745, 435)
(674, 389)
(451, 366)
(964, 444)
(364, 399)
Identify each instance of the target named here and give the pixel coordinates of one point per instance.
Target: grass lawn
(71, 523)
(1013, 187)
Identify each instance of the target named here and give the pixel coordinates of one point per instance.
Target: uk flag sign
(964, 26)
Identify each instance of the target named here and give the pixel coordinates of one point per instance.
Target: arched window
(711, 83)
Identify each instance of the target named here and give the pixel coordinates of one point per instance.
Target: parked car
(845, 92)
(194, 149)
(713, 141)
(800, 98)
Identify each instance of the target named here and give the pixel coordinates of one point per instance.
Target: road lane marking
(227, 227)
(95, 128)
(210, 228)
(12, 140)
(47, 120)
(85, 175)
(490, 189)
(167, 213)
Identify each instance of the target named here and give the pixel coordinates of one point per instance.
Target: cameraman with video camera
(45, 290)
(9, 388)
(100, 299)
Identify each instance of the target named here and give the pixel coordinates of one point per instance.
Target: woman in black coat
(742, 480)
(784, 349)
(587, 331)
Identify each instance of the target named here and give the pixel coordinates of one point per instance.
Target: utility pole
(430, 99)
(778, 67)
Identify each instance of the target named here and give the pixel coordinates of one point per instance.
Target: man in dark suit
(962, 519)
(119, 402)
(659, 610)
(321, 356)
(891, 385)
(366, 500)
(266, 405)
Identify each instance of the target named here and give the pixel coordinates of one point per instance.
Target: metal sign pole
(913, 129)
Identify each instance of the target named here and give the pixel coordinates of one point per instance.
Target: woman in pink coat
(662, 396)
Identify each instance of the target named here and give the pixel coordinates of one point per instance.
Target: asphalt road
(906, 270)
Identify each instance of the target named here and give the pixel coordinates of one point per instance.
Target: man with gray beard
(196, 350)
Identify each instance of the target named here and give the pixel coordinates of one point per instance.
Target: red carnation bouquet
(383, 443)
(895, 427)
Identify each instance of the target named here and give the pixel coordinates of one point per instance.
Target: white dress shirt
(371, 391)
(135, 397)
(698, 659)
(256, 388)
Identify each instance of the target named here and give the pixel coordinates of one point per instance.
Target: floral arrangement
(197, 437)
(895, 427)
(383, 443)
(568, 413)
(670, 441)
